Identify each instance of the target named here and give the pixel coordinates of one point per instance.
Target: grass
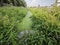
(10, 17)
(45, 23)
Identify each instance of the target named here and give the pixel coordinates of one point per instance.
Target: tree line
(13, 2)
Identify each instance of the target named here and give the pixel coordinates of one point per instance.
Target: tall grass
(46, 21)
(45, 26)
(10, 17)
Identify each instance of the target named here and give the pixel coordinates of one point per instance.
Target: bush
(9, 19)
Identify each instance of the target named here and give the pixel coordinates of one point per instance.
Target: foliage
(13, 2)
(55, 11)
(45, 26)
(46, 22)
(9, 19)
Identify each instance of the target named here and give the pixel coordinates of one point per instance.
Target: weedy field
(36, 26)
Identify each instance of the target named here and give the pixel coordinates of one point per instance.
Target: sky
(31, 3)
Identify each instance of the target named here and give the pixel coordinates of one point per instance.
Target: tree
(13, 2)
